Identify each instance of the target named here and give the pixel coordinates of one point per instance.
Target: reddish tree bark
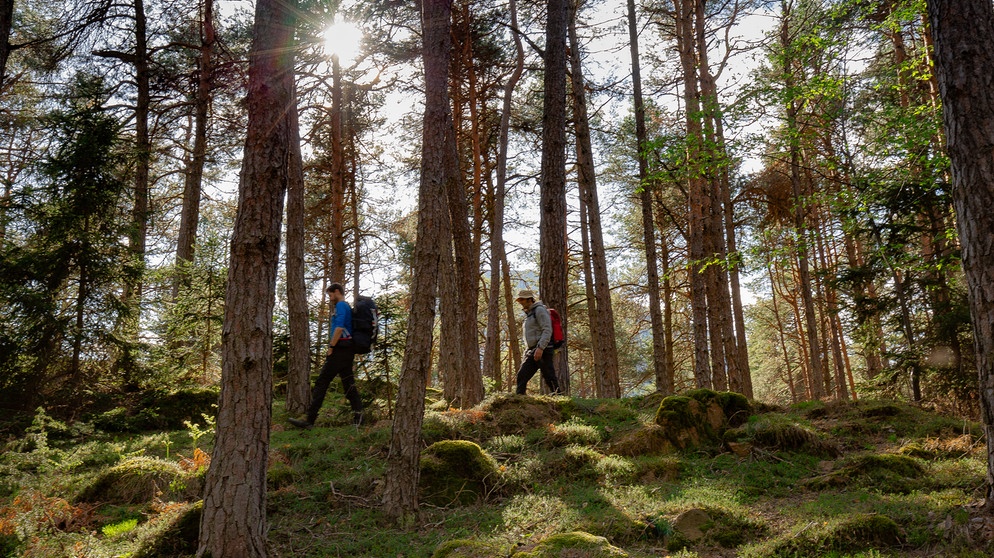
(964, 56)
(234, 516)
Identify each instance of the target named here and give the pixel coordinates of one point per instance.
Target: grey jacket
(538, 326)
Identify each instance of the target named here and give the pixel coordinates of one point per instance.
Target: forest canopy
(794, 188)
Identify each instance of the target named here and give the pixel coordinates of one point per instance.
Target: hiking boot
(301, 423)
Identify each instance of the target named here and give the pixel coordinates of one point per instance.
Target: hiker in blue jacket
(538, 337)
(337, 362)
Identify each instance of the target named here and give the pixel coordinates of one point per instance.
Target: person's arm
(337, 327)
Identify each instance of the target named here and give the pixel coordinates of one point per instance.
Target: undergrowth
(867, 479)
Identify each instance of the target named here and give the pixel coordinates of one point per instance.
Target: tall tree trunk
(698, 201)
(724, 352)
(491, 349)
(143, 150)
(817, 382)
(337, 194)
(193, 182)
(466, 300)
(552, 207)
(298, 384)
(400, 492)
(603, 327)
(965, 65)
(663, 373)
(234, 515)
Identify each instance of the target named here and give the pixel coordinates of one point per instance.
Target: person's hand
(330, 348)
(538, 353)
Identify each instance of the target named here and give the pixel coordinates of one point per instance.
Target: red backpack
(558, 337)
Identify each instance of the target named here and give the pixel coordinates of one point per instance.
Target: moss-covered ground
(530, 476)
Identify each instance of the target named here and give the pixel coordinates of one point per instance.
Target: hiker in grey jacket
(538, 337)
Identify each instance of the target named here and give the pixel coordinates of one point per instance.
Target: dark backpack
(558, 337)
(365, 324)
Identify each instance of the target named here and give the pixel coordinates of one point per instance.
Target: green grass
(901, 482)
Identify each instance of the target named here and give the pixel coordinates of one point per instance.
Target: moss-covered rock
(576, 543)
(469, 548)
(850, 533)
(651, 440)
(779, 433)
(700, 416)
(140, 479)
(708, 526)
(175, 533)
(887, 472)
(456, 472)
(518, 414)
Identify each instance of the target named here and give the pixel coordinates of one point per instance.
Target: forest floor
(531, 476)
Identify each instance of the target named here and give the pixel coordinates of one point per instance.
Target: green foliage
(59, 293)
(190, 322)
(164, 409)
(115, 530)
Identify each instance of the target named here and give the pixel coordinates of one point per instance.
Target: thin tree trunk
(817, 384)
(193, 183)
(400, 492)
(298, 384)
(466, 300)
(337, 195)
(780, 333)
(143, 149)
(601, 389)
(552, 225)
(233, 524)
(513, 340)
(663, 373)
(492, 345)
(603, 326)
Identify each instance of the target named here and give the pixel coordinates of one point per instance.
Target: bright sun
(343, 39)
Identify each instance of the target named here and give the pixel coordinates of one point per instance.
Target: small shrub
(572, 432)
(615, 469)
(510, 443)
